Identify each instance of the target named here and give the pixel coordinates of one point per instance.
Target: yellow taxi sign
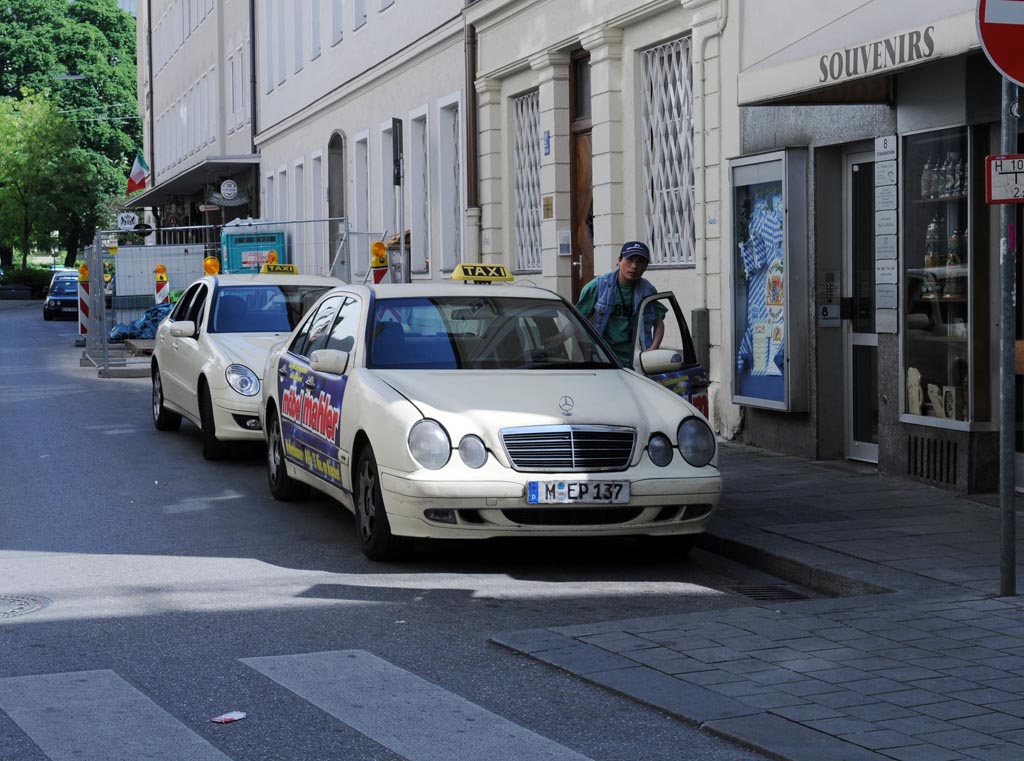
(279, 269)
(483, 273)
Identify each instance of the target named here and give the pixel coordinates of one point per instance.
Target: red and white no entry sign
(1001, 29)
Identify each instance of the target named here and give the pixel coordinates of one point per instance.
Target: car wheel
(47, 315)
(163, 418)
(661, 548)
(282, 486)
(375, 537)
(213, 448)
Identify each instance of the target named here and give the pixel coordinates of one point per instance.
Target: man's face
(631, 269)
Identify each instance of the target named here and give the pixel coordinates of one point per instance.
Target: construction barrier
(163, 289)
(83, 300)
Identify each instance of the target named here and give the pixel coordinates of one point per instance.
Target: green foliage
(39, 41)
(36, 279)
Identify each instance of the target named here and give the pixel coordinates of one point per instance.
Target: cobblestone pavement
(916, 658)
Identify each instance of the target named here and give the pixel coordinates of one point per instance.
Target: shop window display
(938, 274)
(770, 268)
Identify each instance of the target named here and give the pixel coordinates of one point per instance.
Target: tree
(41, 40)
(37, 147)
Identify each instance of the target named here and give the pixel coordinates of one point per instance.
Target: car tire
(662, 548)
(372, 527)
(282, 486)
(163, 418)
(47, 316)
(213, 448)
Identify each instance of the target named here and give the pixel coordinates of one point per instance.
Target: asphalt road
(168, 590)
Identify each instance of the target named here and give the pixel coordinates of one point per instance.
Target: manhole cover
(769, 593)
(19, 605)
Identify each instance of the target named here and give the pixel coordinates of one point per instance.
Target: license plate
(578, 492)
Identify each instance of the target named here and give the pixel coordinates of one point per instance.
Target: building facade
(894, 254)
(606, 126)
(196, 102)
(336, 81)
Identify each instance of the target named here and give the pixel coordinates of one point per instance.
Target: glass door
(860, 392)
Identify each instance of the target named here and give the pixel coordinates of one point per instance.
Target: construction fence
(131, 272)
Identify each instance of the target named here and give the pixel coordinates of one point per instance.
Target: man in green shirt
(611, 302)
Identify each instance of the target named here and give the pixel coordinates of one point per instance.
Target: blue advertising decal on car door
(310, 413)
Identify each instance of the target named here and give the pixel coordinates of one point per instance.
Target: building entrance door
(860, 341)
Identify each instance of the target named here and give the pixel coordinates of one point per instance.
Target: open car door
(674, 363)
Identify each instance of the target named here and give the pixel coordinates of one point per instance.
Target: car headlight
(429, 444)
(243, 380)
(659, 449)
(473, 451)
(696, 442)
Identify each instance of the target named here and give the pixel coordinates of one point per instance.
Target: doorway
(339, 266)
(860, 341)
(582, 188)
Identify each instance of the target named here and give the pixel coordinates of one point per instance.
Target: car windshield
(481, 333)
(64, 287)
(261, 308)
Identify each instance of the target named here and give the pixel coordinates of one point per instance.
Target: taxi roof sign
(279, 269)
(483, 273)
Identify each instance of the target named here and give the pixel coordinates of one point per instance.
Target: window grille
(526, 161)
(667, 129)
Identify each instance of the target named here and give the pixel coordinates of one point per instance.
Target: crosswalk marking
(97, 715)
(403, 712)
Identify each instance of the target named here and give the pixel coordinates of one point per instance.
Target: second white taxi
(474, 411)
(209, 353)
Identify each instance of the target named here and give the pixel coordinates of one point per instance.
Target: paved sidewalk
(919, 662)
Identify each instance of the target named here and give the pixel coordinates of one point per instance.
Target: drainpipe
(472, 143)
(149, 93)
(700, 318)
(472, 161)
(254, 182)
(723, 17)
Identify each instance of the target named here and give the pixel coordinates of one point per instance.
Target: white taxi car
(209, 353)
(469, 410)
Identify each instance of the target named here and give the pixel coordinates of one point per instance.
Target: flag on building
(139, 173)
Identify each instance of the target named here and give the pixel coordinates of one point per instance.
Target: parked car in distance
(61, 299)
(451, 410)
(210, 352)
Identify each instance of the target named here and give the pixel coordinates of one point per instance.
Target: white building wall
(405, 61)
(200, 90)
(525, 46)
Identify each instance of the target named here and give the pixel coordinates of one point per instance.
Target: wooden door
(582, 212)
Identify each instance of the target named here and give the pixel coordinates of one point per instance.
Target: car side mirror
(329, 361)
(655, 361)
(183, 329)
(46, 289)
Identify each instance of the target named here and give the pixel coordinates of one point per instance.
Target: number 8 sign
(1000, 29)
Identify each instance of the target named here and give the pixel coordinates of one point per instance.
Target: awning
(852, 58)
(194, 179)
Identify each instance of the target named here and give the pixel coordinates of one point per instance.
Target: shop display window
(938, 276)
(770, 268)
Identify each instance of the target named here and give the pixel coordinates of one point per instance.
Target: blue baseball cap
(635, 248)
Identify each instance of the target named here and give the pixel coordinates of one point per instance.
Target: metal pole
(1007, 359)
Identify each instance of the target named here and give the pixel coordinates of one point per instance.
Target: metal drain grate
(20, 605)
(769, 593)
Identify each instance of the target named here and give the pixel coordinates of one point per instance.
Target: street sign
(1000, 29)
(1004, 178)
(127, 220)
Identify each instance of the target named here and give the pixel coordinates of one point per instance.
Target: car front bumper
(658, 505)
(235, 417)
